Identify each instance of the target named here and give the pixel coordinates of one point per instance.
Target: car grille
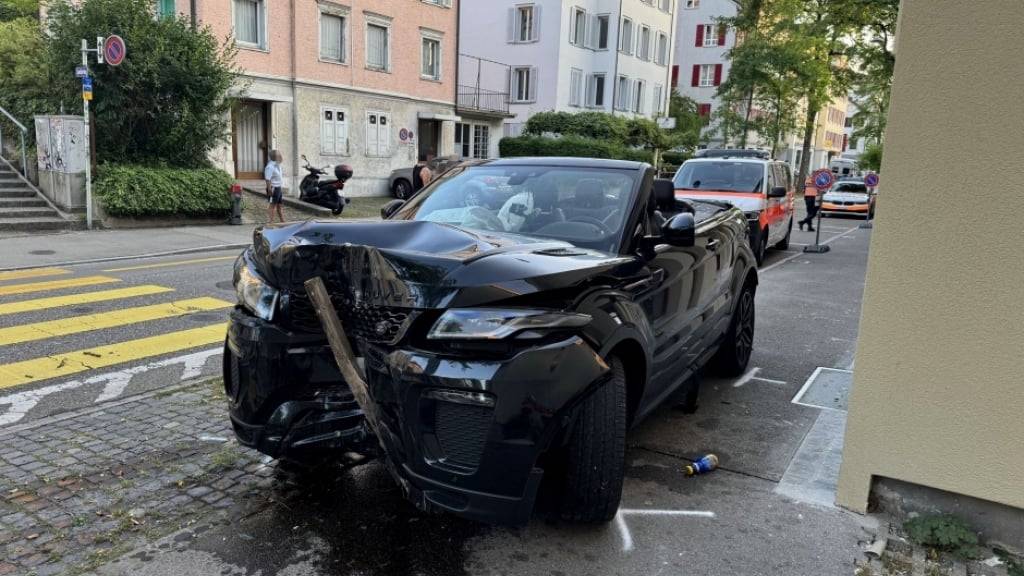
(377, 324)
(461, 432)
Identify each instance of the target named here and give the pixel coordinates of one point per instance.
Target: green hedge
(599, 125)
(569, 146)
(130, 190)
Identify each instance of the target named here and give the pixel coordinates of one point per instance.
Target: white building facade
(702, 53)
(574, 55)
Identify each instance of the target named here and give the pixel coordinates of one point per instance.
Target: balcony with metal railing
(483, 87)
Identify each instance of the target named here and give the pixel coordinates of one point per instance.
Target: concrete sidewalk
(29, 251)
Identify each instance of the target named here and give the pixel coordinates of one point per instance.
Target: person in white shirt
(274, 175)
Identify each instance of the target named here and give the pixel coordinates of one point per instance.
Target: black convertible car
(507, 325)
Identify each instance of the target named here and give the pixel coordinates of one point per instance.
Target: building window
(710, 35)
(575, 86)
(378, 49)
(524, 23)
(661, 56)
(595, 91)
(249, 22)
(333, 132)
(165, 8)
(332, 37)
(622, 94)
(627, 36)
(665, 5)
(431, 56)
(692, 4)
(645, 43)
(524, 84)
(578, 33)
(472, 140)
(378, 135)
(657, 105)
(707, 75)
(638, 96)
(444, 3)
(704, 110)
(602, 23)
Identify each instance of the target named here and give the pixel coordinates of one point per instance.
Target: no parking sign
(823, 179)
(871, 180)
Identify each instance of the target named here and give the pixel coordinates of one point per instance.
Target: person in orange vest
(811, 203)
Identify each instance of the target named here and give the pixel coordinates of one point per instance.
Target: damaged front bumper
(463, 434)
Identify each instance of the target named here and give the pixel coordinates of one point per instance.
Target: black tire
(402, 189)
(596, 453)
(784, 243)
(762, 248)
(734, 353)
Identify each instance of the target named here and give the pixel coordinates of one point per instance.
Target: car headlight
(254, 292)
(495, 323)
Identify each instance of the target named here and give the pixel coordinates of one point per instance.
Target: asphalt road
(733, 521)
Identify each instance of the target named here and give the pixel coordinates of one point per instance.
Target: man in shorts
(274, 175)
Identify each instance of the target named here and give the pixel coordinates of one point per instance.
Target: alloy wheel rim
(745, 328)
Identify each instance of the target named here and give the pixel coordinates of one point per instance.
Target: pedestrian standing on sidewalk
(811, 203)
(274, 175)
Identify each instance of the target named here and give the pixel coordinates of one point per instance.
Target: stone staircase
(23, 209)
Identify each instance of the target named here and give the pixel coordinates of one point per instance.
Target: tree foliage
(167, 103)
(24, 74)
(689, 123)
(13, 9)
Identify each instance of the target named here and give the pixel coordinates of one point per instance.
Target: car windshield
(856, 187)
(584, 206)
(721, 175)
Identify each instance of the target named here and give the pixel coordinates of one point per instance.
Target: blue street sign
(87, 84)
(81, 71)
(871, 180)
(823, 179)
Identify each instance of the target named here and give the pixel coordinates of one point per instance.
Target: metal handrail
(24, 132)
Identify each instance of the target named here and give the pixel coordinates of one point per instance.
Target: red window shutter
(675, 75)
(700, 36)
(704, 110)
(846, 141)
(721, 35)
(718, 74)
(696, 74)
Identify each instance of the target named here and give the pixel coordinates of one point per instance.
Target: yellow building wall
(938, 395)
(828, 133)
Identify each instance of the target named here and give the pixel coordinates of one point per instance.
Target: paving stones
(79, 492)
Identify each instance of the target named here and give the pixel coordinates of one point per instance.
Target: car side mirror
(777, 192)
(679, 230)
(390, 208)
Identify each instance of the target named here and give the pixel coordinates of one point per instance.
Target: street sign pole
(871, 180)
(88, 162)
(822, 180)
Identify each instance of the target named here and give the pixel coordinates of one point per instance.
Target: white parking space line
(627, 536)
(752, 375)
(798, 254)
(814, 375)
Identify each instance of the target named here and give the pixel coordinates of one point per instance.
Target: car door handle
(713, 244)
(652, 281)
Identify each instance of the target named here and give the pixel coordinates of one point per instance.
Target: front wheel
(596, 453)
(761, 250)
(734, 353)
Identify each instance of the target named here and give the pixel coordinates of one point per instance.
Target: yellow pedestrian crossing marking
(86, 298)
(176, 263)
(32, 273)
(77, 324)
(55, 285)
(35, 370)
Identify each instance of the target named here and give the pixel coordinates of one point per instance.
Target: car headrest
(589, 193)
(664, 195)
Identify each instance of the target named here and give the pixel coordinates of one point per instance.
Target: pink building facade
(370, 83)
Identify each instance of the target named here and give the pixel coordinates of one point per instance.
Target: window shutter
(696, 74)
(535, 30)
(704, 110)
(326, 131)
(513, 27)
(533, 84)
(718, 74)
(592, 32)
(383, 135)
(340, 132)
(372, 147)
(591, 85)
(721, 35)
(700, 36)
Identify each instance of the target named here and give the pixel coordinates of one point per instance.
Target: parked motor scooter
(325, 193)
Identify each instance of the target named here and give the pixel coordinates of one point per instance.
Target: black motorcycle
(325, 193)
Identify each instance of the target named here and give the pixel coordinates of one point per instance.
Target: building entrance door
(249, 133)
(430, 135)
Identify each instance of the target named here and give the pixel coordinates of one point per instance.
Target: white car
(849, 197)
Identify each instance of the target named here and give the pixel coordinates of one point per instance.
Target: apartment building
(827, 140)
(853, 147)
(702, 54)
(608, 55)
(370, 83)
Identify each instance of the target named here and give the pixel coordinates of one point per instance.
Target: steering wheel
(605, 230)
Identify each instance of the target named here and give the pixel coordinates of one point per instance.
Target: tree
(167, 103)
(871, 158)
(874, 61)
(689, 122)
(13, 9)
(24, 76)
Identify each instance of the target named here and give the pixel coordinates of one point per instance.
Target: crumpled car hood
(423, 264)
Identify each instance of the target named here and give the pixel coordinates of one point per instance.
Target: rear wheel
(402, 189)
(734, 353)
(596, 453)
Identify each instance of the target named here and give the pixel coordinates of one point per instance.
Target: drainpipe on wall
(295, 105)
(618, 54)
